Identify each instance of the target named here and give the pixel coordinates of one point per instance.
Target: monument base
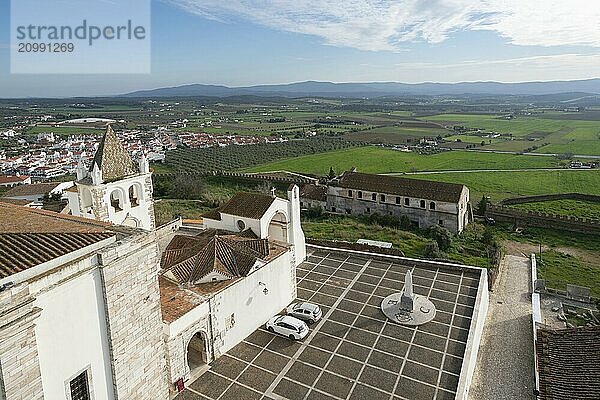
(423, 310)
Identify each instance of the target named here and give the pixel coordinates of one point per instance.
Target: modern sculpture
(407, 308)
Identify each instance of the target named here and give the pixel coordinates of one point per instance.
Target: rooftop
(12, 179)
(355, 352)
(191, 258)
(112, 158)
(416, 188)
(248, 205)
(29, 237)
(30, 190)
(314, 192)
(568, 363)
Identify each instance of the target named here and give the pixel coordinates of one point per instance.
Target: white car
(308, 312)
(287, 326)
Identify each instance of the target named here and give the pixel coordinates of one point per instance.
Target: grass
(505, 184)
(575, 208)
(551, 237)
(169, 210)
(559, 269)
(372, 159)
(466, 249)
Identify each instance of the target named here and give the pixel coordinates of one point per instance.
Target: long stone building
(425, 203)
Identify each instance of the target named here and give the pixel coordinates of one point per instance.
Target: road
(504, 368)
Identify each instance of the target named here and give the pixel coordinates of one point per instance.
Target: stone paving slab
(354, 352)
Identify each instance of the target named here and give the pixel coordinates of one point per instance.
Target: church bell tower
(114, 188)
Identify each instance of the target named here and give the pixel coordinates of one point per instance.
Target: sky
(247, 42)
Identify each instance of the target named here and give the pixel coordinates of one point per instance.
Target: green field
(501, 185)
(381, 160)
(575, 208)
(548, 135)
(169, 210)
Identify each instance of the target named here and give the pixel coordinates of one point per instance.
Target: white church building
(102, 305)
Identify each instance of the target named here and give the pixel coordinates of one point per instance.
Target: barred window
(80, 389)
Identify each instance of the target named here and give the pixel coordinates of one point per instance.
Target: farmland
(542, 133)
(379, 160)
(500, 185)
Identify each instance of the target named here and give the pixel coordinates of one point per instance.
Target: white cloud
(387, 24)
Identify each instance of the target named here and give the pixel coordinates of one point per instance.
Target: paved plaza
(354, 352)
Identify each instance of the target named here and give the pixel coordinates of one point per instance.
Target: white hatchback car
(308, 312)
(287, 326)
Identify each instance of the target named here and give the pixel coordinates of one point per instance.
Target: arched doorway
(278, 227)
(197, 357)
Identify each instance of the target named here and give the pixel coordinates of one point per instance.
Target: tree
(331, 173)
(488, 236)
(432, 251)
(482, 206)
(441, 235)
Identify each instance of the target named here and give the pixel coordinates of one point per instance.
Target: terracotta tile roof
(191, 258)
(16, 219)
(415, 188)
(21, 251)
(12, 179)
(174, 301)
(314, 192)
(29, 237)
(112, 158)
(569, 366)
(17, 202)
(248, 205)
(30, 190)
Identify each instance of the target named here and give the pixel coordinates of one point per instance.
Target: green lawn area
(372, 159)
(559, 269)
(501, 185)
(575, 208)
(466, 249)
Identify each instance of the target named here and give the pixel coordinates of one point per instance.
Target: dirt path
(505, 363)
(525, 250)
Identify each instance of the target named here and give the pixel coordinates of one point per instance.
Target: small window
(301, 204)
(214, 279)
(368, 210)
(441, 222)
(432, 206)
(348, 211)
(350, 194)
(374, 197)
(397, 200)
(80, 388)
(407, 202)
(241, 225)
(382, 197)
(359, 195)
(422, 203)
(332, 209)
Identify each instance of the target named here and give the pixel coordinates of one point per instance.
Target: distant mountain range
(354, 90)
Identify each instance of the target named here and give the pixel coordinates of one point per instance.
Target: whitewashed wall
(71, 336)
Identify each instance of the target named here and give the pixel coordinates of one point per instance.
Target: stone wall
(129, 271)
(255, 177)
(19, 361)
(543, 220)
(424, 217)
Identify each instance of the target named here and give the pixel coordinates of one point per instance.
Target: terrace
(355, 352)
